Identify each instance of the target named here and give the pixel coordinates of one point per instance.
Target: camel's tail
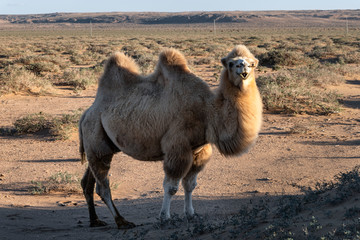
(81, 143)
(172, 60)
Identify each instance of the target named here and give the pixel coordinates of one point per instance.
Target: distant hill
(308, 18)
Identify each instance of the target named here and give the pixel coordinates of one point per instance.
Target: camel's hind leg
(100, 169)
(88, 184)
(201, 156)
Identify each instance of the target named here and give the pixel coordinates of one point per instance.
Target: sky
(48, 6)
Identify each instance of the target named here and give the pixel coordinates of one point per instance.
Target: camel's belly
(140, 151)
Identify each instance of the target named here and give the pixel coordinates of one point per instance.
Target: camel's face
(239, 68)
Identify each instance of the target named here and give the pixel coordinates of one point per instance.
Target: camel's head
(239, 64)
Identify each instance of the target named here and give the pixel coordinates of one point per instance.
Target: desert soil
(291, 150)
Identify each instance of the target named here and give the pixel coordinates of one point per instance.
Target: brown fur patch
(240, 51)
(122, 61)
(173, 58)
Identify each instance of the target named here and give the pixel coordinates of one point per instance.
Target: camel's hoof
(164, 217)
(97, 223)
(126, 225)
(123, 224)
(193, 218)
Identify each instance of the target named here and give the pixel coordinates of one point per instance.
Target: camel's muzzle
(244, 75)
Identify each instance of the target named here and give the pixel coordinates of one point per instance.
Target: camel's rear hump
(172, 61)
(119, 69)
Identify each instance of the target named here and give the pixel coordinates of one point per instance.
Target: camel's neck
(237, 117)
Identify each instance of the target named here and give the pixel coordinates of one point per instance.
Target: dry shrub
(79, 78)
(32, 123)
(41, 65)
(291, 91)
(59, 182)
(59, 127)
(18, 79)
(351, 57)
(282, 57)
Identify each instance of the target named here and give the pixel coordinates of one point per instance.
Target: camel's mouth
(244, 75)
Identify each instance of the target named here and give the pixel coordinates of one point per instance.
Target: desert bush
(39, 64)
(350, 57)
(290, 92)
(282, 57)
(63, 126)
(101, 49)
(328, 53)
(84, 57)
(203, 61)
(59, 182)
(32, 123)
(146, 61)
(59, 127)
(78, 78)
(322, 75)
(18, 79)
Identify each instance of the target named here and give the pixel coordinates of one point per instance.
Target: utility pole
(214, 28)
(347, 26)
(91, 29)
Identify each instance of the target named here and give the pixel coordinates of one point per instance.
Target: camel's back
(136, 112)
(137, 119)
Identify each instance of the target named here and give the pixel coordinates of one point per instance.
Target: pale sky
(48, 6)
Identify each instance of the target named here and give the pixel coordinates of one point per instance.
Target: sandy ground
(300, 150)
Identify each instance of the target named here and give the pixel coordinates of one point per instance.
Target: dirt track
(299, 150)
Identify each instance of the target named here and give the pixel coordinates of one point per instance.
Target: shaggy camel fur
(170, 115)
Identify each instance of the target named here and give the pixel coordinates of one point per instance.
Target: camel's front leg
(177, 162)
(170, 188)
(201, 156)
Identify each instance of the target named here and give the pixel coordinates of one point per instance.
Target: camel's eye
(231, 64)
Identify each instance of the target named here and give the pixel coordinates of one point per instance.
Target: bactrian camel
(170, 115)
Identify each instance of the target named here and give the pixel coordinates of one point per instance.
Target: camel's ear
(254, 63)
(223, 61)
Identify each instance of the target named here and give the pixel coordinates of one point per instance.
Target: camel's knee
(189, 184)
(103, 189)
(177, 165)
(87, 182)
(202, 155)
(171, 186)
(83, 183)
(172, 190)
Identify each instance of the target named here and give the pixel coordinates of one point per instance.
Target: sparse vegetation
(296, 67)
(79, 79)
(296, 91)
(16, 78)
(58, 127)
(286, 218)
(59, 182)
(302, 64)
